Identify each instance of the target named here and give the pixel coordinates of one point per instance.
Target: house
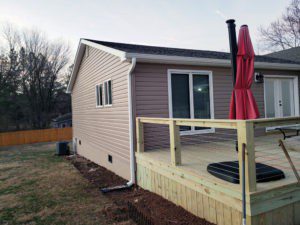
(123, 97)
(62, 121)
(112, 83)
(292, 54)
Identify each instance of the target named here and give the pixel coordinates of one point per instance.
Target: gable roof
(155, 54)
(155, 50)
(289, 54)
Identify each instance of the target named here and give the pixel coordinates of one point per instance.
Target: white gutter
(131, 123)
(167, 59)
(183, 60)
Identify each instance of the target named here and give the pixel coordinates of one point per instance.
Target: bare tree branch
(285, 32)
(37, 62)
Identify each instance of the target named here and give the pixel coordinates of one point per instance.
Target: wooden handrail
(216, 123)
(222, 123)
(245, 135)
(268, 122)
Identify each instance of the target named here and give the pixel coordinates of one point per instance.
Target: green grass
(37, 187)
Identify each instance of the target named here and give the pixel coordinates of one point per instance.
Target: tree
(32, 68)
(284, 32)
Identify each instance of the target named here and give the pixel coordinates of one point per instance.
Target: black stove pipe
(233, 47)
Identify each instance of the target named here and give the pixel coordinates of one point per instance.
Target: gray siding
(105, 130)
(151, 94)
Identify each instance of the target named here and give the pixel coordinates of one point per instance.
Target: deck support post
(140, 136)
(175, 143)
(245, 133)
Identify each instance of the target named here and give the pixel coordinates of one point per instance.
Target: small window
(99, 95)
(107, 93)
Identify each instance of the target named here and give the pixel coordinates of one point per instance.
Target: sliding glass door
(181, 97)
(190, 96)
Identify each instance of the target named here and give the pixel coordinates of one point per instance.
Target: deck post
(175, 143)
(245, 132)
(139, 136)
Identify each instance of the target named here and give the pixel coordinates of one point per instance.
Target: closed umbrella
(243, 105)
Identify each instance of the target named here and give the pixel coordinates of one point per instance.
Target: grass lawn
(37, 187)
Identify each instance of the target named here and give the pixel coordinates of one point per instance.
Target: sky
(195, 24)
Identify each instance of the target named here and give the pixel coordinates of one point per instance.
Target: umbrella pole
(244, 184)
(233, 51)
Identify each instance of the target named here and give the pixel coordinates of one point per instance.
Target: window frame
(190, 73)
(97, 89)
(106, 92)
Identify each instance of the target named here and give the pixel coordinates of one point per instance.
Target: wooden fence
(35, 136)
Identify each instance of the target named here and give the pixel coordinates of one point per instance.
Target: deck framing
(216, 202)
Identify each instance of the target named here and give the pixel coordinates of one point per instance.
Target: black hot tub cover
(229, 171)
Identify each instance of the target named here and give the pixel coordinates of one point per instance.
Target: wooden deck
(196, 157)
(178, 172)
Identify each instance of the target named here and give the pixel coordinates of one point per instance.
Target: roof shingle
(155, 50)
(289, 54)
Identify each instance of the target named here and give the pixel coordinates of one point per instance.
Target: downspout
(131, 123)
(131, 140)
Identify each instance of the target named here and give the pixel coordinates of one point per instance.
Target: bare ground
(149, 208)
(37, 187)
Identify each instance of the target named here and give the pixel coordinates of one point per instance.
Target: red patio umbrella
(243, 105)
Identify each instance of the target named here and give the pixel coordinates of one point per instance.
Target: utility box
(62, 148)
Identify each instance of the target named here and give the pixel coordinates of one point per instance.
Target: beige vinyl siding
(151, 95)
(102, 130)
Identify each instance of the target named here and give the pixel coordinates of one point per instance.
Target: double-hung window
(191, 96)
(99, 95)
(107, 93)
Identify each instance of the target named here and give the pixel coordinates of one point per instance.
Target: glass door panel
(201, 98)
(270, 98)
(181, 97)
(286, 102)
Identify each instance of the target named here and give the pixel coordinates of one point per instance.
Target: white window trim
(296, 95)
(190, 73)
(106, 81)
(96, 87)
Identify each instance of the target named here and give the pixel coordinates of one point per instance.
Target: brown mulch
(157, 209)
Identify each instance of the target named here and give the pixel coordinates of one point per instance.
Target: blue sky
(177, 23)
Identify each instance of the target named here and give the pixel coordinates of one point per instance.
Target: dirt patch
(152, 207)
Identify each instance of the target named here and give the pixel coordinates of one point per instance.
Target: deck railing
(245, 136)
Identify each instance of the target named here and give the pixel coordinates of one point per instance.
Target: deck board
(196, 157)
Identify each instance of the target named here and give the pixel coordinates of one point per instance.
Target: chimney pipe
(233, 47)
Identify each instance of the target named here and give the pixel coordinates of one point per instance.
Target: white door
(280, 97)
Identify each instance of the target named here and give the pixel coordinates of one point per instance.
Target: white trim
(106, 93)
(296, 93)
(190, 73)
(180, 60)
(131, 124)
(113, 51)
(78, 58)
(185, 60)
(80, 54)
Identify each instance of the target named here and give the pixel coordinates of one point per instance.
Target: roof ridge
(153, 46)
